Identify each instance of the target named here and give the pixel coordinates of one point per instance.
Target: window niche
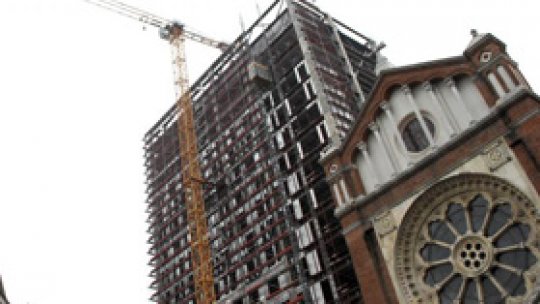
(413, 134)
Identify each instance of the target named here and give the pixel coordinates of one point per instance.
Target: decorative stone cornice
(351, 227)
(373, 126)
(345, 209)
(362, 146)
(341, 170)
(406, 90)
(449, 81)
(426, 85)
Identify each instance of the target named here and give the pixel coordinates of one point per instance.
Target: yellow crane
(176, 33)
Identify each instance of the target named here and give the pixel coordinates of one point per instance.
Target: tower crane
(176, 33)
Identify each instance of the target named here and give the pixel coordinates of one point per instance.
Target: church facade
(437, 183)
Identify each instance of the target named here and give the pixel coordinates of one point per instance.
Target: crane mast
(201, 256)
(176, 33)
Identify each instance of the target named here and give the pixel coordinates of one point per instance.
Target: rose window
(469, 239)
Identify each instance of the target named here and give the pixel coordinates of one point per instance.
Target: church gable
(433, 138)
(411, 113)
(415, 110)
(395, 78)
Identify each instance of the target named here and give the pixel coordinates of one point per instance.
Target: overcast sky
(79, 87)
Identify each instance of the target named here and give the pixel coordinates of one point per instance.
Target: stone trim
(432, 206)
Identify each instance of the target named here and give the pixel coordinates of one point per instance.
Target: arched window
(413, 135)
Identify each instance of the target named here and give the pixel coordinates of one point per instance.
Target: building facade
(437, 183)
(264, 110)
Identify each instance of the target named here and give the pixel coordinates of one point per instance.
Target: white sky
(79, 87)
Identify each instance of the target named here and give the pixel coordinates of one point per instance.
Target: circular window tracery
(469, 239)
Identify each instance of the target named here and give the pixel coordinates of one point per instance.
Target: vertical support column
(365, 264)
(386, 108)
(314, 76)
(353, 179)
(289, 216)
(519, 77)
(374, 127)
(451, 115)
(356, 84)
(500, 80)
(508, 68)
(452, 85)
(394, 156)
(339, 199)
(440, 107)
(507, 80)
(495, 85)
(326, 111)
(407, 91)
(345, 191)
(363, 148)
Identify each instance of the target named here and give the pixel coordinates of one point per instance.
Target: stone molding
(414, 234)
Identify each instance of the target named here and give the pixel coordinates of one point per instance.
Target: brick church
(437, 183)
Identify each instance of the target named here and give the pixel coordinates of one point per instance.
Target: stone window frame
(414, 235)
(408, 118)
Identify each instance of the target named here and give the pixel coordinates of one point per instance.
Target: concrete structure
(288, 86)
(438, 182)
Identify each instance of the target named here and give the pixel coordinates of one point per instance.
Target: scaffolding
(290, 85)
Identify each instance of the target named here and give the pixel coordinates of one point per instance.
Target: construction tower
(287, 87)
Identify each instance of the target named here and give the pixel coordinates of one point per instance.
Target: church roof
(391, 75)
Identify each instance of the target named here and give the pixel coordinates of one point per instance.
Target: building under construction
(264, 110)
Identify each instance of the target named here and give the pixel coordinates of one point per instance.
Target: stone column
(441, 108)
(337, 194)
(374, 127)
(386, 108)
(363, 148)
(366, 266)
(407, 91)
(452, 85)
(345, 191)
